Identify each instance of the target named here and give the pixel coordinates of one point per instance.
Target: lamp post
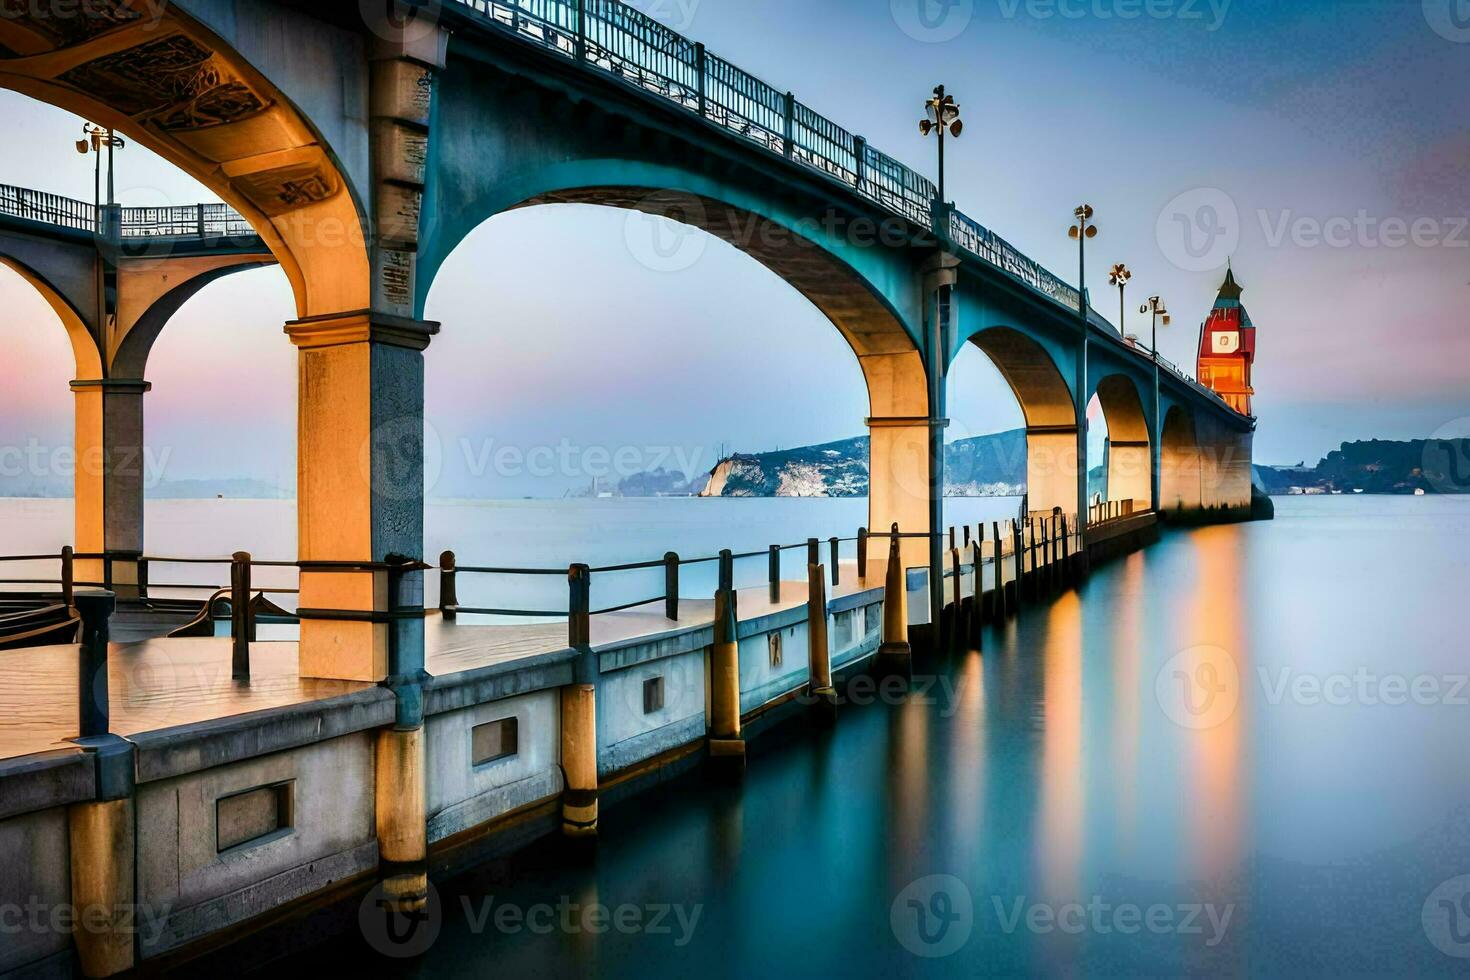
(1157, 309)
(96, 139)
(942, 115)
(1081, 231)
(1120, 277)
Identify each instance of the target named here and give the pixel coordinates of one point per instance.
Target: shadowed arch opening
(1129, 455)
(863, 313)
(1051, 419)
(124, 67)
(1180, 477)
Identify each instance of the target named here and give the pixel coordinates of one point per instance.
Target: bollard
(241, 627)
(671, 586)
(957, 617)
(977, 611)
(1001, 605)
(1019, 554)
(726, 746)
(813, 551)
(835, 547)
(895, 656)
(448, 588)
(819, 651)
(862, 556)
(579, 808)
(967, 535)
(400, 769)
(68, 577)
(773, 572)
(93, 706)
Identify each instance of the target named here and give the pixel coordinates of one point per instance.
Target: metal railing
(187, 221)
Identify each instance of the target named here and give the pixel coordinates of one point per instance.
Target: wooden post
(977, 611)
(967, 535)
(862, 553)
(68, 576)
(1066, 551)
(819, 650)
(773, 572)
(448, 588)
(1019, 553)
(93, 705)
(835, 548)
(952, 544)
(1002, 606)
(895, 656)
(726, 744)
(579, 806)
(671, 586)
(813, 551)
(957, 618)
(240, 625)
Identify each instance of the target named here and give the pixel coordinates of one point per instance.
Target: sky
(1322, 147)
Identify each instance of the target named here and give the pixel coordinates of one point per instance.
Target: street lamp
(942, 116)
(1120, 277)
(1157, 310)
(98, 137)
(1081, 230)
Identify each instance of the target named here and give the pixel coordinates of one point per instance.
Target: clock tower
(1227, 348)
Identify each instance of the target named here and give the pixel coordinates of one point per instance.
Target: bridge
(358, 151)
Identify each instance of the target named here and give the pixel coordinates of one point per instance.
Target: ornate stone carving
(53, 26)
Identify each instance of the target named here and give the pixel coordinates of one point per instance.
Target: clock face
(1226, 342)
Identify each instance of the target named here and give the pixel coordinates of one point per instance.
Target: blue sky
(1318, 129)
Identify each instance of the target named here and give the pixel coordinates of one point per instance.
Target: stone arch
(1051, 417)
(866, 314)
(163, 79)
(1180, 470)
(89, 361)
(1130, 451)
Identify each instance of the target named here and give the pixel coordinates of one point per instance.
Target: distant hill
(1378, 466)
(992, 465)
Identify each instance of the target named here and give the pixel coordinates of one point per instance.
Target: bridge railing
(51, 209)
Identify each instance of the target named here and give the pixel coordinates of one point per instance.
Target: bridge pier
(111, 464)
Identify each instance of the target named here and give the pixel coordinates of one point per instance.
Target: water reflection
(1055, 768)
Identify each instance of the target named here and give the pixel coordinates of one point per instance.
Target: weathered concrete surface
(34, 879)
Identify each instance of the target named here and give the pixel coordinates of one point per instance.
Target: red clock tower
(1227, 348)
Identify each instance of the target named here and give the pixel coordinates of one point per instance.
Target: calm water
(1242, 751)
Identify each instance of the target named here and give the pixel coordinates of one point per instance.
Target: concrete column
(102, 871)
(1130, 472)
(401, 801)
(726, 745)
(895, 656)
(1051, 467)
(360, 477)
(109, 478)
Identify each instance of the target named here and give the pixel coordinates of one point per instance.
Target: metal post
(68, 576)
(240, 626)
(790, 134)
(580, 48)
(834, 546)
(671, 586)
(773, 572)
(579, 606)
(862, 556)
(199, 219)
(700, 69)
(93, 716)
(860, 157)
(448, 588)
